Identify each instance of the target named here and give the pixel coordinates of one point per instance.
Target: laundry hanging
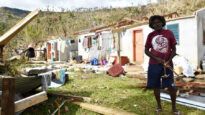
(89, 42)
(85, 42)
(68, 42)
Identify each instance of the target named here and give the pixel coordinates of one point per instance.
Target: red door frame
(134, 43)
(49, 51)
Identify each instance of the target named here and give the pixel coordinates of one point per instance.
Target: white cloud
(68, 4)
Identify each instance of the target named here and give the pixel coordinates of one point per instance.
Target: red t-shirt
(160, 44)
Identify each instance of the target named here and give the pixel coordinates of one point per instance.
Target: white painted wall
(200, 18)
(63, 49)
(127, 41)
(187, 46)
(82, 51)
(190, 39)
(187, 39)
(93, 52)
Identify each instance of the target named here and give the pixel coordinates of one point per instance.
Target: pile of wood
(193, 87)
(95, 108)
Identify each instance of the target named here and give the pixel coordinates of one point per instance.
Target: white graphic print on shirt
(160, 44)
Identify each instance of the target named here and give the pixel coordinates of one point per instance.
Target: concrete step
(134, 68)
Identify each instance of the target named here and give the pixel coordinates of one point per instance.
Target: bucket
(203, 66)
(178, 69)
(53, 59)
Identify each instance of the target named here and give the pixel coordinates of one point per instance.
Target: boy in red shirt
(161, 48)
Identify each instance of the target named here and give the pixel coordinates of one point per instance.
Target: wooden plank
(8, 92)
(4, 39)
(76, 98)
(30, 101)
(102, 110)
(128, 27)
(17, 57)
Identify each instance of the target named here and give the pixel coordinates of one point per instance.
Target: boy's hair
(152, 18)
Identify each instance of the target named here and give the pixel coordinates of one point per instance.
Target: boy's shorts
(155, 72)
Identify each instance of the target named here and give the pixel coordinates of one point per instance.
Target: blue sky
(69, 4)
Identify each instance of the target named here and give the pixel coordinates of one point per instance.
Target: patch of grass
(117, 93)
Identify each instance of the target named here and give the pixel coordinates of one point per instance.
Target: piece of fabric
(59, 45)
(85, 42)
(155, 73)
(100, 41)
(89, 42)
(46, 80)
(53, 44)
(79, 59)
(93, 42)
(68, 42)
(54, 85)
(63, 45)
(160, 44)
(62, 75)
(63, 78)
(58, 75)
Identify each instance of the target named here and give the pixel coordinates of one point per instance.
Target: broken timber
(102, 110)
(8, 92)
(77, 98)
(95, 108)
(30, 101)
(5, 38)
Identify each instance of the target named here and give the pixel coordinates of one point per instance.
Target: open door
(138, 47)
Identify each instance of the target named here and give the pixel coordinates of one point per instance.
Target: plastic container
(178, 69)
(123, 60)
(203, 65)
(53, 59)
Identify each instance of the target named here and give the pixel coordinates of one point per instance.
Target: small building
(95, 45)
(189, 32)
(61, 49)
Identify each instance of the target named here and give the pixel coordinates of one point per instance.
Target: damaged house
(101, 43)
(96, 45)
(189, 32)
(61, 49)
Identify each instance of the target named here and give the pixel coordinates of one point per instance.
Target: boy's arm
(173, 53)
(149, 54)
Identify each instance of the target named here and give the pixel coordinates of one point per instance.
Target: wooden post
(1, 53)
(118, 47)
(8, 91)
